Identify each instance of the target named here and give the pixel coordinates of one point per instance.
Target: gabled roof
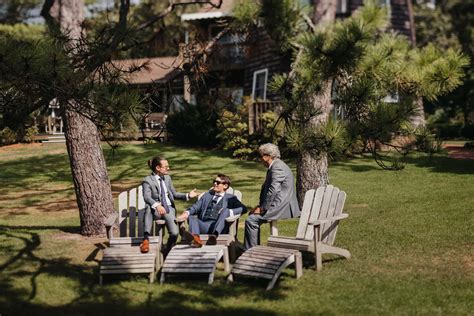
(209, 12)
(158, 69)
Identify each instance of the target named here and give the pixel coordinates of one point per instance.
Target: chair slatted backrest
(325, 202)
(131, 212)
(337, 210)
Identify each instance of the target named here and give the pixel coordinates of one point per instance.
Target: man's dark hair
(225, 179)
(155, 161)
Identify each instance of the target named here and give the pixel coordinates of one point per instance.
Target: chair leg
(162, 278)
(101, 279)
(317, 245)
(298, 265)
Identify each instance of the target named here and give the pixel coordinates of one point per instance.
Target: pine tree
(354, 65)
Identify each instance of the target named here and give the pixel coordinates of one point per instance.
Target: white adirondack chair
(124, 256)
(230, 239)
(320, 216)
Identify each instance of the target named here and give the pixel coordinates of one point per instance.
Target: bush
(234, 135)
(447, 130)
(468, 131)
(30, 133)
(7, 136)
(194, 125)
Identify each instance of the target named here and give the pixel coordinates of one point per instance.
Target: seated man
(212, 209)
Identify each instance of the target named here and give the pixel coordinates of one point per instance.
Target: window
(341, 7)
(259, 86)
(385, 4)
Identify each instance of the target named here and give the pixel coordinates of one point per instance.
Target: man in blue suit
(211, 210)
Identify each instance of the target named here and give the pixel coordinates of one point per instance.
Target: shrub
(194, 125)
(234, 135)
(7, 136)
(30, 133)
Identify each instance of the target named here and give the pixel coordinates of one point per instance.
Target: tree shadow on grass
(189, 296)
(443, 164)
(440, 164)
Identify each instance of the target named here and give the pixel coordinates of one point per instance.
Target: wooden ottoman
(186, 259)
(267, 263)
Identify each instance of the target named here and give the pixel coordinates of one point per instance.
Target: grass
(410, 234)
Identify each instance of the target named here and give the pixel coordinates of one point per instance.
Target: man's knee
(252, 221)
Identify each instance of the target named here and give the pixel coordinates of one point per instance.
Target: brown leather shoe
(196, 242)
(212, 240)
(145, 246)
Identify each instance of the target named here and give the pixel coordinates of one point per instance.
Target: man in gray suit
(277, 197)
(159, 195)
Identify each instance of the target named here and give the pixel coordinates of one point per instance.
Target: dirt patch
(459, 152)
(19, 146)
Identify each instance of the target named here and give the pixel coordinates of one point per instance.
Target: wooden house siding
(262, 53)
(399, 17)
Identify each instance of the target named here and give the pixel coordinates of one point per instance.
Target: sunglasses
(218, 182)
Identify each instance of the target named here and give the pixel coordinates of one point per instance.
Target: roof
(210, 12)
(158, 69)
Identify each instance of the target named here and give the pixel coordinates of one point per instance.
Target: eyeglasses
(218, 182)
(165, 167)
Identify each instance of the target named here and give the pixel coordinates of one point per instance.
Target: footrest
(186, 259)
(267, 263)
(124, 260)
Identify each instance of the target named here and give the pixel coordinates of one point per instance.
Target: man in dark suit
(159, 195)
(211, 210)
(277, 196)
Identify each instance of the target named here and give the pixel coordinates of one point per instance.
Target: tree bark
(311, 167)
(89, 171)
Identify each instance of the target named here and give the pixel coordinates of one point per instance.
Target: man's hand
(193, 193)
(161, 210)
(184, 216)
(256, 210)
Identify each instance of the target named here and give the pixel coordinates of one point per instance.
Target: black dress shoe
(186, 237)
(212, 240)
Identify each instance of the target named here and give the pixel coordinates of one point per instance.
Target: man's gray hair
(270, 150)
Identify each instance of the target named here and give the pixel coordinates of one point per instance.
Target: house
(244, 66)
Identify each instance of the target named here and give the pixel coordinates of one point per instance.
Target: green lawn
(410, 234)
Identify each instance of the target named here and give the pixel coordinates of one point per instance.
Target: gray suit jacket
(278, 194)
(152, 191)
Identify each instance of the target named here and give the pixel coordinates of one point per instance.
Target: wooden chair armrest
(328, 220)
(111, 220)
(109, 223)
(231, 219)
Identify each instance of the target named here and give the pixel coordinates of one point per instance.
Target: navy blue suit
(198, 224)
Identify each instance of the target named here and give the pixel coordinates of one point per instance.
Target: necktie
(163, 195)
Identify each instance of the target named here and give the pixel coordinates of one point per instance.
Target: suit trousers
(252, 230)
(151, 215)
(217, 227)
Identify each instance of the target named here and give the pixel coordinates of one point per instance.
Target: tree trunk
(89, 171)
(311, 173)
(311, 167)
